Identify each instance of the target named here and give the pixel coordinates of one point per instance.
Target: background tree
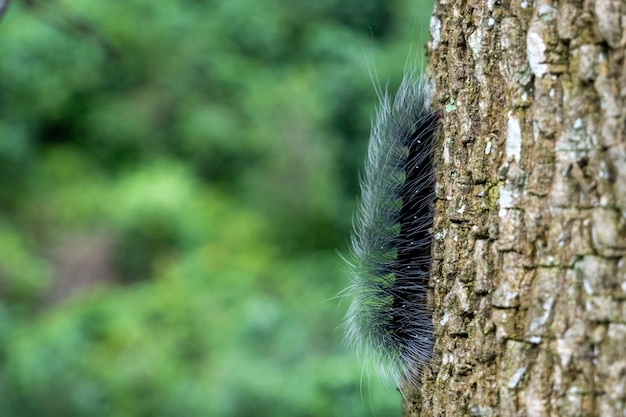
(176, 178)
(529, 277)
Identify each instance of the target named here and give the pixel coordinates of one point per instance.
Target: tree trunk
(529, 268)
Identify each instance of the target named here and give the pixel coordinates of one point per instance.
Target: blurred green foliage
(176, 179)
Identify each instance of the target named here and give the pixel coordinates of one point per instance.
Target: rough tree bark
(529, 262)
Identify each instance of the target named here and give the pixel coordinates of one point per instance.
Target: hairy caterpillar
(388, 319)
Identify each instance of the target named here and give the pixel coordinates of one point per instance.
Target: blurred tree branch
(3, 7)
(60, 17)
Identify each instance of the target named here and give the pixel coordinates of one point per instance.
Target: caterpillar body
(388, 319)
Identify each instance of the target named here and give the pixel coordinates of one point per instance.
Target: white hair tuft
(388, 319)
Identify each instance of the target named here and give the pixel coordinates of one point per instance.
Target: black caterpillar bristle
(389, 318)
